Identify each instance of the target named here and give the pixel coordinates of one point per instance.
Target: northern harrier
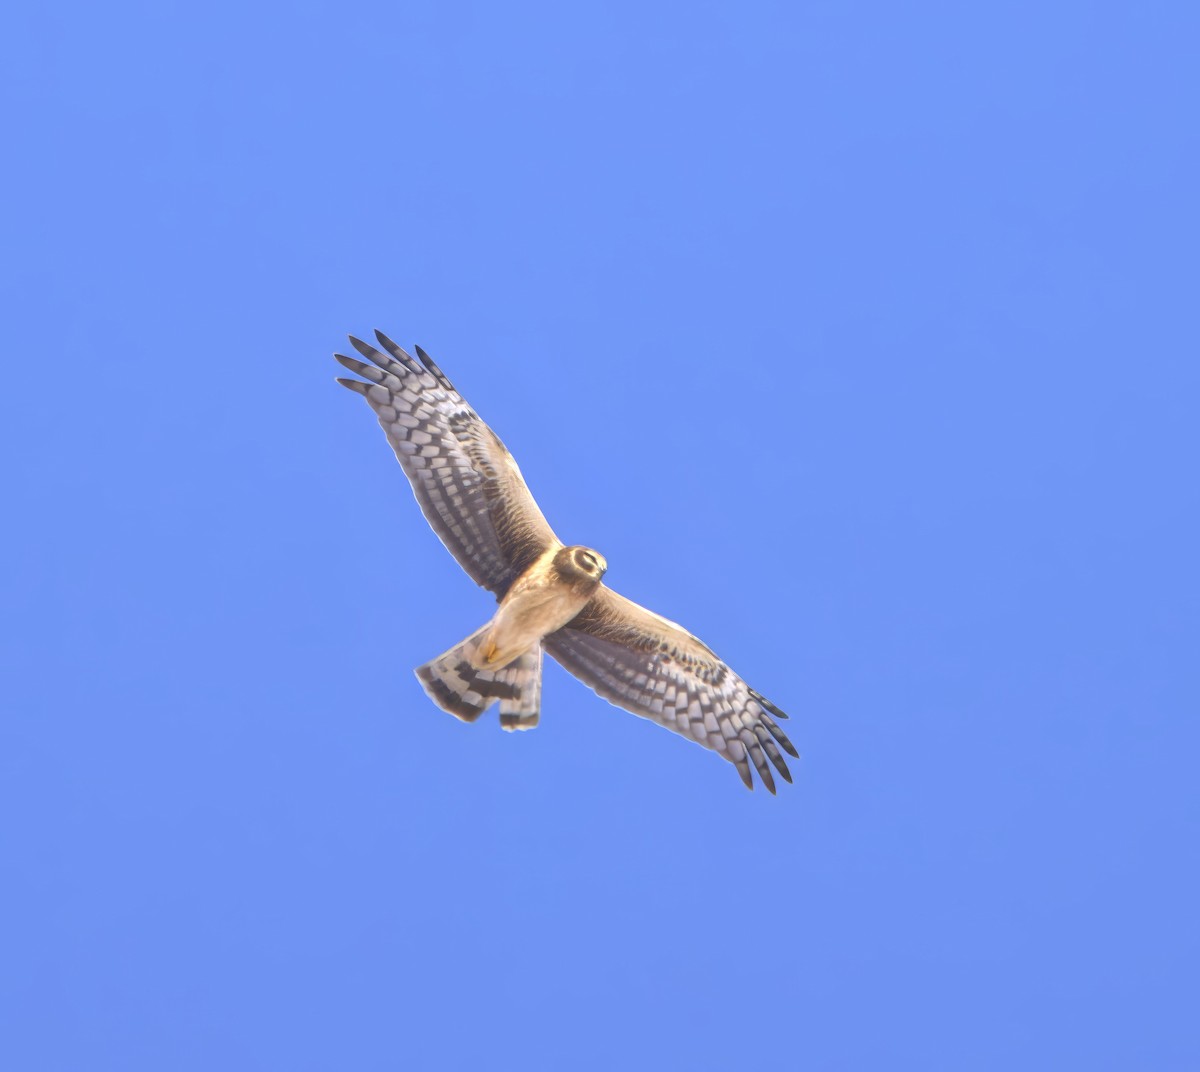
(551, 596)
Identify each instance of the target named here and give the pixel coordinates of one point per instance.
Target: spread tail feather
(457, 686)
(520, 712)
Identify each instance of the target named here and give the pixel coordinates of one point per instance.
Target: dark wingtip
(766, 704)
(366, 349)
(768, 779)
(367, 372)
(780, 766)
(397, 352)
(743, 769)
(431, 365)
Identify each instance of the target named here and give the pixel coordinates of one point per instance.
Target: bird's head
(581, 564)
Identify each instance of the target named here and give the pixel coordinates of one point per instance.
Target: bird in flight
(551, 596)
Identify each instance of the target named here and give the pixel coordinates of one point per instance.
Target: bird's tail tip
(461, 689)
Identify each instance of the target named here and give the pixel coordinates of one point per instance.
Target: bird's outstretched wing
(648, 665)
(467, 483)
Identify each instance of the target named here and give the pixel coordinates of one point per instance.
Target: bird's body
(541, 601)
(551, 596)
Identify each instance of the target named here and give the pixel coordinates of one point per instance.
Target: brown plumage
(551, 597)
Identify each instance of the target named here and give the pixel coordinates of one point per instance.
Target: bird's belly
(524, 619)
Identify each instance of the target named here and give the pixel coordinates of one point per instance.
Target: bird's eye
(588, 562)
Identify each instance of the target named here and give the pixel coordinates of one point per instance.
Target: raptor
(551, 596)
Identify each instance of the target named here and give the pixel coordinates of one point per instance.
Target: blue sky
(860, 338)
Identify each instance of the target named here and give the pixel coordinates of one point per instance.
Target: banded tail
(458, 687)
